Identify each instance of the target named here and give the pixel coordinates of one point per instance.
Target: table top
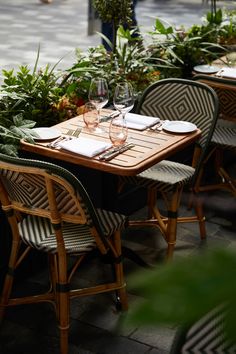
(150, 147)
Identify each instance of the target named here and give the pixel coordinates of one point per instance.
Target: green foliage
(129, 62)
(183, 291)
(114, 10)
(215, 17)
(176, 52)
(31, 94)
(11, 131)
(27, 99)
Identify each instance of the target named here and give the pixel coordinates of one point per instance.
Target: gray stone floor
(95, 323)
(59, 28)
(62, 26)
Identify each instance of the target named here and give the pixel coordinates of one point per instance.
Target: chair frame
(168, 224)
(227, 118)
(59, 293)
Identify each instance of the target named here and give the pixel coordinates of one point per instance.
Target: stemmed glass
(98, 95)
(123, 99)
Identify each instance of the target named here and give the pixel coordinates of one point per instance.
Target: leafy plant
(129, 62)
(27, 99)
(31, 94)
(176, 52)
(12, 131)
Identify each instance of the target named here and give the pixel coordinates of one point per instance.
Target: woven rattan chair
(48, 209)
(207, 335)
(175, 99)
(224, 137)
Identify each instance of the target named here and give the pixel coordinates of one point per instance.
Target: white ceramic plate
(179, 127)
(206, 69)
(46, 133)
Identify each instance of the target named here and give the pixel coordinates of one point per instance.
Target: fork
(74, 133)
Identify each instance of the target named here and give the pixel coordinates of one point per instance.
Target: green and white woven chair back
(226, 92)
(184, 100)
(29, 189)
(207, 335)
(227, 98)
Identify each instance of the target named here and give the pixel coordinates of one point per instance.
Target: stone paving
(95, 324)
(59, 28)
(62, 26)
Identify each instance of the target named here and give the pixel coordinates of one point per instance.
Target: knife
(117, 151)
(111, 151)
(109, 116)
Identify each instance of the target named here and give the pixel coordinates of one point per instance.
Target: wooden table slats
(150, 147)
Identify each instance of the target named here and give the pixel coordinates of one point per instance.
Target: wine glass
(123, 99)
(98, 95)
(118, 131)
(90, 116)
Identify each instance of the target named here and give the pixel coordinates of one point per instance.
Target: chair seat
(225, 134)
(38, 233)
(164, 176)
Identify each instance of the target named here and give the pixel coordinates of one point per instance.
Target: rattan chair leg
(120, 273)
(7, 287)
(172, 222)
(9, 278)
(63, 296)
(230, 183)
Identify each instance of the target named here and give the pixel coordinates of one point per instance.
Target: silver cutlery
(159, 126)
(109, 116)
(110, 151)
(74, 133)
(109, 155)
(56, 143)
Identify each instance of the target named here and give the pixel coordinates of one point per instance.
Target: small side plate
(206, 69)
(46, 134)
(179, 126)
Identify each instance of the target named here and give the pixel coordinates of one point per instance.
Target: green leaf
(9, 149)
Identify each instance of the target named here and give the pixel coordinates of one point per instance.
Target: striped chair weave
(29, 190)
(49, 210)
(224, 137)
(175, 99)
(225, 134)
(38, 233)
(207, 336)
(164, 176)
(226, 92)
(184, 100)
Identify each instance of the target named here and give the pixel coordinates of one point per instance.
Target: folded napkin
(140, 122)
(85, 146)
(227, 72)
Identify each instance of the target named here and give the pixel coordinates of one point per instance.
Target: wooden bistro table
(151, 146)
